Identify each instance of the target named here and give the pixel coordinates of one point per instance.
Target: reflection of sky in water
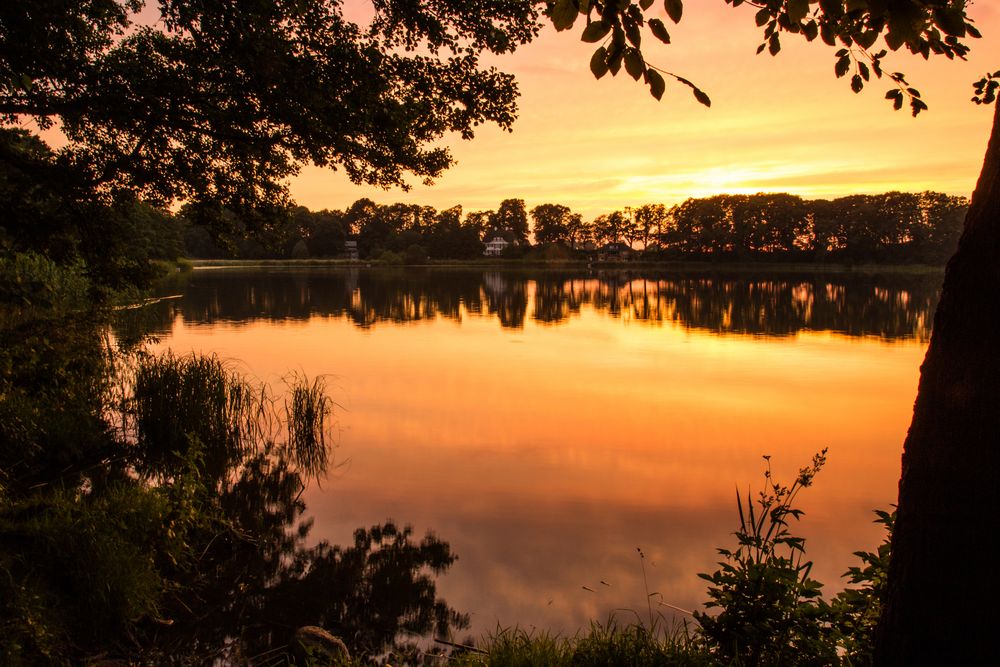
(545, 455)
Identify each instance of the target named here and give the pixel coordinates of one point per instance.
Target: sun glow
(781, 124)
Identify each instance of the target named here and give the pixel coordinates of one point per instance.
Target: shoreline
(554, 265)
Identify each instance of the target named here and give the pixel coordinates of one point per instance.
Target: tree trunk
(944, 585)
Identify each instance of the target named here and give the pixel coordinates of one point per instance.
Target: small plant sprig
(986, 88)
(770, 606)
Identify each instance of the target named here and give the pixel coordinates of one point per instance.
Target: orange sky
(776, 124)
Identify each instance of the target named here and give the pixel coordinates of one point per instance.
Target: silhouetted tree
(551, 223)
(650, 217)
(325, 234)
(511, 218)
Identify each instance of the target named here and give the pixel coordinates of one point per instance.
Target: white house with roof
(495, 246)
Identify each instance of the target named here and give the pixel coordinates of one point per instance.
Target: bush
(33, 286)
(415, 254)
(514, 252)
(390, 258)
(771, 612)
(300, 250)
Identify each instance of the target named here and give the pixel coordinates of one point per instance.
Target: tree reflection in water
(888, 306)
(151, 510)
(255, 579)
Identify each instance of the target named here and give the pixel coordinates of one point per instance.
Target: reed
(173, 409)
(307, 412)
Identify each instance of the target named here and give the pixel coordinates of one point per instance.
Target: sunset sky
(776, 124)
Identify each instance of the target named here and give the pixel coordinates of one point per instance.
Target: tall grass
(172, 408)
(307, 412)
(603, 644)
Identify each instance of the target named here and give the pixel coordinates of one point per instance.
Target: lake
(547, 424)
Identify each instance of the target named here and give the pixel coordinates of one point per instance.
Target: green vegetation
(764, 608)
(603, 644)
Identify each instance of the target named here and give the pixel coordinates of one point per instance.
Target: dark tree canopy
(550, 222)
(224, 100)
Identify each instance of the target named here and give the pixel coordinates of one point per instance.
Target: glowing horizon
(782, 124)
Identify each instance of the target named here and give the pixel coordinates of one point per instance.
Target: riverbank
(561, 265)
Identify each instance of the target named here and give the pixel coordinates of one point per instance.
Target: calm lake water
(547, 424)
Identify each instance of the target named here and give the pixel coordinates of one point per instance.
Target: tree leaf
(615, 61)
(645, 4)
(797, 10)
(866, 39)
(700, 95)
(634, 64)
(656, 83)
(951, 21)
(675, 9)
(599, 62)
(563, 14)
(659, 30)
(842, 66)
(633, 34)
(595, 31)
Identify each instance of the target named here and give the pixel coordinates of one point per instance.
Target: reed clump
(172, 407)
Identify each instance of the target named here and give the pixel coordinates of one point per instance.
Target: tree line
(890, 227)
(893, 306)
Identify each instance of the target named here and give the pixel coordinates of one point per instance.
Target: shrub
(33, 286)
(415, 254)
(771, 612)
(300, 250)
(390, 258)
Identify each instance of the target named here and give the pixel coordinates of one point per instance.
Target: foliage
(857, 610)
(511, 219)
(54, 386)
(197, 106)
(390, 258)
(551, 222)
(307, 414)
(890, 227)
(49, 210)
(415, 254)
(770, 609)
(771, 612)
(34, 287)
(923, 27)
(79, 569)
(609, 643)
(177, 404)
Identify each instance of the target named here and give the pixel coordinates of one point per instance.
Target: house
(495, 246)
(351, 249)
(614, 252)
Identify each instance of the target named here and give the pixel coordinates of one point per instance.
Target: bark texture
(944, 579)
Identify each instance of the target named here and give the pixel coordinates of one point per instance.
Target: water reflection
(891, 306)
(573, 417)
